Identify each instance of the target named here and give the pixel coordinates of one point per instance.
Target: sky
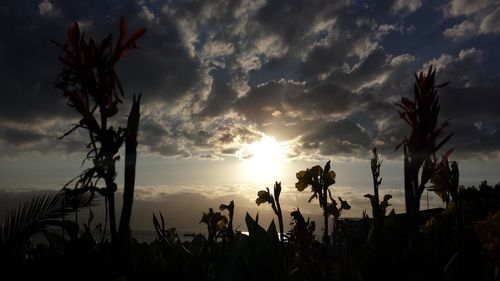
(240, 94)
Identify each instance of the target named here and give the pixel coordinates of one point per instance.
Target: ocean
(140, 235)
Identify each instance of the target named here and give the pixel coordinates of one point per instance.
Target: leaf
(398, 146)
(136, 35)
(264, 196)
(255, 231)
(327, 167)
(330, 178)
(314, 196)
(123, 32)
(407, 103)
(300, 175)
(369, 196)
(443, 84)
(385, 202)
(304, 178)
(259, 201)
(442, 142)
(277, 190)
(272, 232)
(300, 186)
(316, 171)
(74, 35)
(344, 205)
(35, 215)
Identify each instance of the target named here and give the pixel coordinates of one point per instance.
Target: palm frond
(38, 213)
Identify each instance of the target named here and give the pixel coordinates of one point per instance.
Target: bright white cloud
(213, 49)
(481, 17)
(408, 6)
(442, 62)
(467, 7)
(463, 29)
(491, 23)
(146, 14)
(401, 59)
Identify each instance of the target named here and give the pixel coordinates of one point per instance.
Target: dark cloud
(170, 149)
(341, 138)
(259, 104)
(221, 96)
(162, 68)
(28, 66)
(276, 17)
(322, 75)
(470, 102)
(323, 100)
(364, 72)
(21, 137)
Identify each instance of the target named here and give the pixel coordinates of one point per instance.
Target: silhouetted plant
(375, 164)
(264, 196)
(445, 183)
(258, 255)
(75, 198)
(320, 180)
(216, 224)
(336, 212)
(421, 146)
(164, 234)
(38, 213)
(230, 208)
(378, 207)
(89, 82)
(302, 234)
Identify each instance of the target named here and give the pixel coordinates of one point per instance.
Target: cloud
(465, 28)
(491, 23)
(337, 138)
(482, 17)
(402, 59)
(217, 76)
(47, 9)
(467, 7)
(146, 13)
(221, 97)
(20, 136)
(470, 101)
(408, 6)
(459, 69)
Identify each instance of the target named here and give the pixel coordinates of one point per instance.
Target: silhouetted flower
(264, 196)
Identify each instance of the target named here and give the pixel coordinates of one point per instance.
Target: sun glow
(263, 160)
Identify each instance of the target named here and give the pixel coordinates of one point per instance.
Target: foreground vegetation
(456, 243)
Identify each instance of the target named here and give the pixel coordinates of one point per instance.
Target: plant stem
(325, 215)
(111, 186)
(105, 219)
(130, 163)
(280, 220)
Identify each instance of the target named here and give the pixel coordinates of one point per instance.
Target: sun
(263, 160)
